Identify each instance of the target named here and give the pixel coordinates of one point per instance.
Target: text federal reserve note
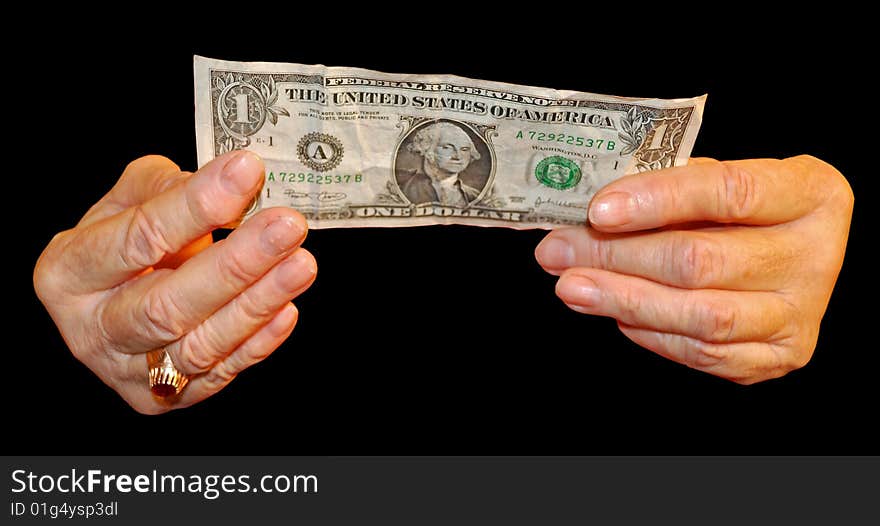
(352, 147)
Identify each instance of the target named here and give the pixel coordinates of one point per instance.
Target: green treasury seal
(558, 172)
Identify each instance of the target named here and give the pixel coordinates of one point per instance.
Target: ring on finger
(165, 379)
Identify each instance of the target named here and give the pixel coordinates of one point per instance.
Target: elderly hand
(726, 267)
(139, 272)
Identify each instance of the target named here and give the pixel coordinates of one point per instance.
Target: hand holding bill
(726, 267)
(140, 273)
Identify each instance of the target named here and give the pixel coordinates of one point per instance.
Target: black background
(444, 340)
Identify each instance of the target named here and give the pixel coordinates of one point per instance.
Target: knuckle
(163, 317)
(808, 161)
(813, 165)
(700, 354)
(629, 303)
(251, 307)
(220, 375)
(254, 352)
(201, 207)
(45, 283)
(146, 243)
(831, 181)
(235, 271)
(205, 209)
(697, 261)
(777, 361)
(602, 253)
(840, 191)
(258, 353)
(716, 321)
(793, 344)
(739, 192)
(48, 278)
(788, 318)
(674, 194)
(199, 351)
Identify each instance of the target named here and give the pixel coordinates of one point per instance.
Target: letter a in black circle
(319, 153)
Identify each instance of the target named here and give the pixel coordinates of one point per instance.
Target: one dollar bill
(351, 147)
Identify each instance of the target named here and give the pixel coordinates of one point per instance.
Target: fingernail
(555, 254)
(613, 209)
(280, 235)
(242, 173)
(578, 290)
(297, 271)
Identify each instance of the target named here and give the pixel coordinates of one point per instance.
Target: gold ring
(165, 379)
